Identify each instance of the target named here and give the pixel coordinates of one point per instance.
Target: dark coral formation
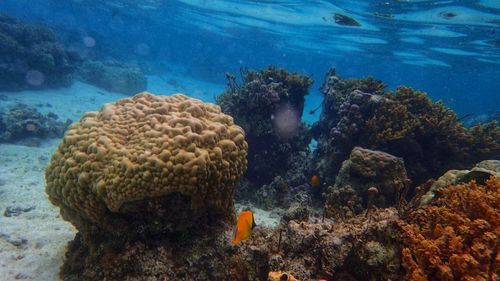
(268, 105)
(368, 177)
(200, 258)
(22, 122)
(406, 123)
(113, 76)
(285, 189)
(456, 237)
(31, 57)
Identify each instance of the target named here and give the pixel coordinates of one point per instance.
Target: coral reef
(22, 122)
(481, 172)
(285, 189)
(455, 237)
(367, 177)
(147, 166)
(31, 57)
(268, 105)
(428, 136)
(361, 248)
(113, 76)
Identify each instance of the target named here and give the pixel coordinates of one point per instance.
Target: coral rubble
(113, 76)
(31, 57)
(407, 124)
(361, 248)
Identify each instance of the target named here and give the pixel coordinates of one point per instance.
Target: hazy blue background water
(450, 49)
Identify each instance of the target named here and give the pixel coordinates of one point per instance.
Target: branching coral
(456, 237)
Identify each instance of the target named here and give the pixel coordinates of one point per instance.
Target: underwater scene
(241, 140)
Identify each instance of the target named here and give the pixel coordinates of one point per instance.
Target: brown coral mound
(147, 164)
(367, 177)
(457, 236)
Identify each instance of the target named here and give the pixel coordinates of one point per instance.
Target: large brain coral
(147, 163)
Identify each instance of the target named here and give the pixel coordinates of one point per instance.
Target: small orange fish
(314, 180)
(244, 227)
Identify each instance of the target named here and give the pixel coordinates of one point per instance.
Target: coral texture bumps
(121, 169)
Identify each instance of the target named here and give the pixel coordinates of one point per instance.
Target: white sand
(41, 235)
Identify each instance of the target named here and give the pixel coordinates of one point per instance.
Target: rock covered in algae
(363, 171)
(147, 165)
(481, 172)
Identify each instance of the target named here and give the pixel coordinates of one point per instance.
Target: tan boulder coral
(366, 177)
(147, 165)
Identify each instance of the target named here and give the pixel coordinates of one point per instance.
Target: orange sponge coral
(456, 237)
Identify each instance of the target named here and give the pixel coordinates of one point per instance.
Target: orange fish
(244, 227)
(314, 181)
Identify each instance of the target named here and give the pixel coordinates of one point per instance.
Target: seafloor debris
(113, 76)
(16, 211)
(31, 57)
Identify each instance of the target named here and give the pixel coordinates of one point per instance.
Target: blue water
(449, 49)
